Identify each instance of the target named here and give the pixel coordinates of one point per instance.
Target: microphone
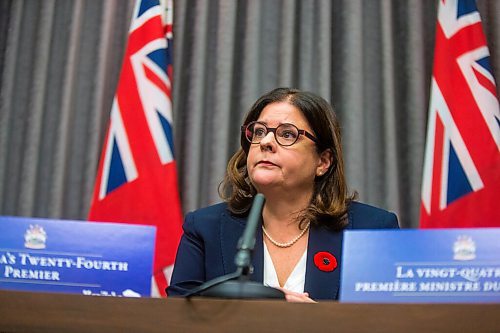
(237, 285)
(246, 243)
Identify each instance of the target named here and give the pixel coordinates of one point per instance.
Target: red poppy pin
(325, 261)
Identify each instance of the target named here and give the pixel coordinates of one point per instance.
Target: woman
(290, 152)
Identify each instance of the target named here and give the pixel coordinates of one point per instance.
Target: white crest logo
(464, 248)
(35, 237)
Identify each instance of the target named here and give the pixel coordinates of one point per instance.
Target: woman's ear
(325, 162)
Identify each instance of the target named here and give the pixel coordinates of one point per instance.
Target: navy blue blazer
(211, 234)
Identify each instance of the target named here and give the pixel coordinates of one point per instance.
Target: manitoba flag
(137, 179)
(461, 178)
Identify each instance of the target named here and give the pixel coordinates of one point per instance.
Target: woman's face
(293, 168)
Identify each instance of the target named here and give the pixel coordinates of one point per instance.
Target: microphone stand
(237, 285)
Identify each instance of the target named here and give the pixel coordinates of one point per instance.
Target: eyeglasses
(285, 134)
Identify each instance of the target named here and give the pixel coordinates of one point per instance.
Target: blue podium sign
(104, 259)
(431, 266)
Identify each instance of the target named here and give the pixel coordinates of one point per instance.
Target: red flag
(137, 178)
(461, 181)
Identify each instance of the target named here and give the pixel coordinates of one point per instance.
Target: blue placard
(431, 266)
(105, 259)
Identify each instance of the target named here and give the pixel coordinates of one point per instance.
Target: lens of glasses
(256, 132)
(285, 134)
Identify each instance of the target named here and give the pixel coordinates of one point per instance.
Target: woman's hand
(292, 296)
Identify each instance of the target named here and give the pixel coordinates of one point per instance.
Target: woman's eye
(288, 134)
(258, 132)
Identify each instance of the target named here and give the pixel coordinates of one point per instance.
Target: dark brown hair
(330, 198)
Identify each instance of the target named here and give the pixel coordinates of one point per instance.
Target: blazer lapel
(231, 229)
(320, 284)
(258, 256)
(230, 232)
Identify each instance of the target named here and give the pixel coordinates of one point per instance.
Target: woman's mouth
(266, 163)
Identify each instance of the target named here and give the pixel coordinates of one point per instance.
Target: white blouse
(295, 281)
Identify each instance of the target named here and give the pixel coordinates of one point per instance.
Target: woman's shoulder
(213, 213)
(207, 220)
(364, 216)
(213, 210)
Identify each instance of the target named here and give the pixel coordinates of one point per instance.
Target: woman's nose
(268, 142)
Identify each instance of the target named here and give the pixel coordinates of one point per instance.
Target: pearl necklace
(287, 244)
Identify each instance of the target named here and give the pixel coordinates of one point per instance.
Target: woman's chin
(262, 183)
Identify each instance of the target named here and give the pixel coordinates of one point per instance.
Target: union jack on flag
(137, 178)
(461, 179)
